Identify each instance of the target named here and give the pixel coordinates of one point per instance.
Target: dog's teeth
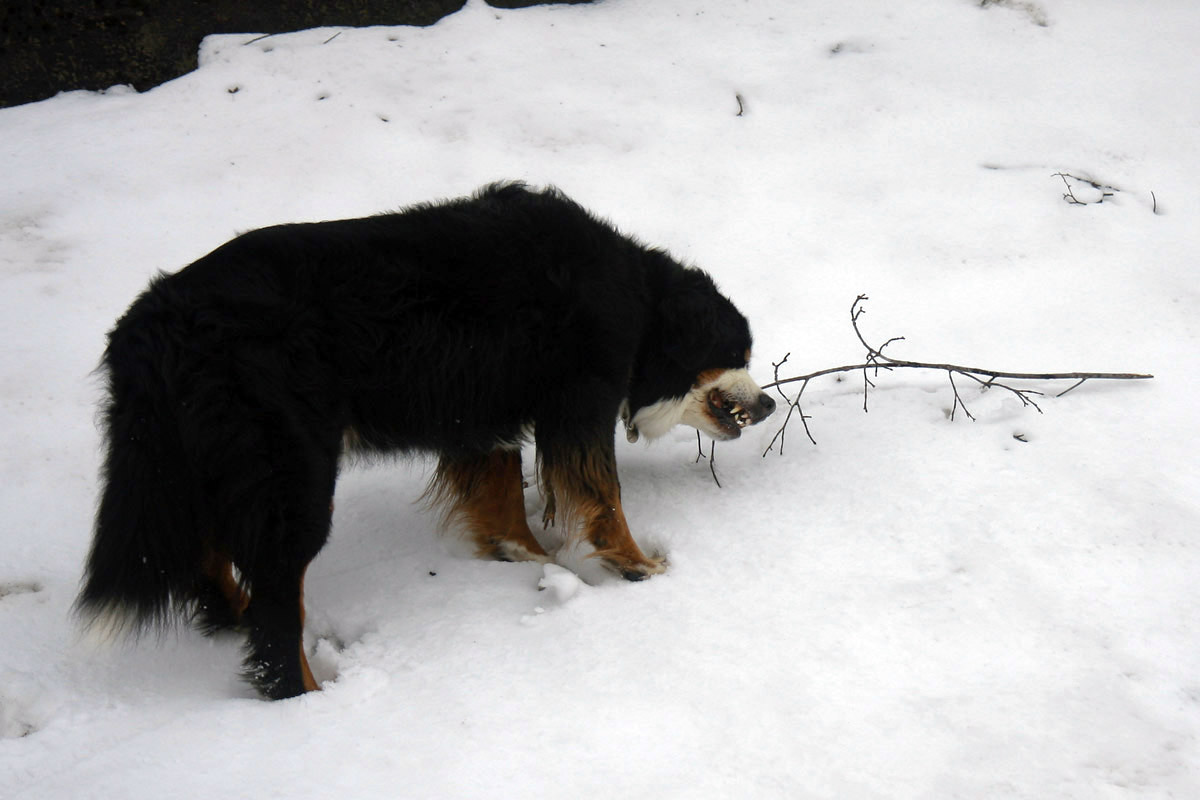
(737, 411)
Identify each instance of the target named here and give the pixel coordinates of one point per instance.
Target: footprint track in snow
(11, 588)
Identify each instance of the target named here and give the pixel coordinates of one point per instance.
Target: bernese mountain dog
(461, 329)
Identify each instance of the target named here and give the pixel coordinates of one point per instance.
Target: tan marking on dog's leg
(310, 683)
(219, 568)
(608, 532)
(485, 493)
(588, 484)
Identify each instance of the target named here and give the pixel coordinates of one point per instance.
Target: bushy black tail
(147, 549)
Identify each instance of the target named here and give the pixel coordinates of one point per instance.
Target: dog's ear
(686, 319)
(697, 322)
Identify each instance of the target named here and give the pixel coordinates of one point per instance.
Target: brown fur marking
(219, 568)
(708, 376)
(586, 484)
(310, 683)
(485, 493)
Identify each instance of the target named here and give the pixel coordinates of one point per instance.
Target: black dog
(459, 329)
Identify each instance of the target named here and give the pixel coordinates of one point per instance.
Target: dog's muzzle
(744, 413)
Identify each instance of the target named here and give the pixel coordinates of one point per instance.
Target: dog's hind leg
(484, 492)
(275, 661)
(293, 520)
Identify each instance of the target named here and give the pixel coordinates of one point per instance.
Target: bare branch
(876, 360)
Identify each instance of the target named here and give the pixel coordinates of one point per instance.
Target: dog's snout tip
(765, 407)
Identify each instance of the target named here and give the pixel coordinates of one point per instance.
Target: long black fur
(448, 328)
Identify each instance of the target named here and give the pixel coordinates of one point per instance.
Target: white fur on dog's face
(731, 392)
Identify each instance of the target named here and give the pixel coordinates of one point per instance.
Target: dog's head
(692, 369)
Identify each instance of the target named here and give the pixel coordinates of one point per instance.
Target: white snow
(913, 608)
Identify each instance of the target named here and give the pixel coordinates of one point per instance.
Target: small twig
(804, 418)
(1072, 386)
(793, 408)
(1022, 394)
(331, 38)
(712, 461)
(866, 383)
(777, 364)
(1070, 195)
(958, 402)
(741, 104)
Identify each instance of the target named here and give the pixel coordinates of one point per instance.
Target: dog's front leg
(584, 480)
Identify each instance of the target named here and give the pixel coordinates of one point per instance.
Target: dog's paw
(633, 569)
(641, 572)
(509, 550)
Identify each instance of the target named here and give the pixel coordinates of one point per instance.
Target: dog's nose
(764, 407)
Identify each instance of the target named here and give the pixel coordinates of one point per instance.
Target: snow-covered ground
(913, 608)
